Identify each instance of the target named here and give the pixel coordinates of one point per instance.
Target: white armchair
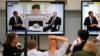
(85, 27)
(9, 27)
(58, 27)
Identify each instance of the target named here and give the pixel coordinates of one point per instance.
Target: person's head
(91, 13)
(90, 47)
(54, 14)
(31, 44)
(12, 39)
(15, 13)
(83, 34)
(53, 43)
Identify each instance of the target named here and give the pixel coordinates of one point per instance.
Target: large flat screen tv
(45, 17)
(91, 17)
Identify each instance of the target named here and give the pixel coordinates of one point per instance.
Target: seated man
(16, 22)
(89, 49)
(91, 22)
(53, 46)
(53, 23)
(32, 47)
(85, 45)
(83, 35)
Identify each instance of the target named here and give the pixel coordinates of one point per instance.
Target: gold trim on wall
(63, 0)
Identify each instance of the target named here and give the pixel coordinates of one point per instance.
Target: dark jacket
(87, 22)
(57, 21)
(11, 51)
(12, 22)
(79, 47)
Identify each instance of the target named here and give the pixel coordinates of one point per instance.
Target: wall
(2, 25)
(2, 2)
(72, 25)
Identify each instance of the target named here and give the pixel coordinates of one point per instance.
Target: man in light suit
(53, 23)
(16, 22)
(91, 22)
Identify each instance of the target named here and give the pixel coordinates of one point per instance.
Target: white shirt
(15, 19)
(33, 52)
(91, 20)
(53, 20)
(59, 52)
(98, 37)
(75, 42)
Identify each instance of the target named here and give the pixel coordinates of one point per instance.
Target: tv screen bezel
(82, 16)
(39, 1)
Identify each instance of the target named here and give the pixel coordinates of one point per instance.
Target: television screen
(96, 0)
(44, 17)
(91, 17)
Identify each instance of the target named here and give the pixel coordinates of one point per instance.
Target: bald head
(54, 14)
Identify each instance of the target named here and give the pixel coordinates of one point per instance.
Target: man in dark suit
(54, 23)
(91, 22)
(16, 22)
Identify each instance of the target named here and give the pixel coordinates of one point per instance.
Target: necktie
(16, 20)
(52, 23)
(92, 20)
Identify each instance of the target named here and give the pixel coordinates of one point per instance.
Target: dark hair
(36, 6)
(83, 34)
(15, 12)
(10, 38)
(31, 44)
(90, 12)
